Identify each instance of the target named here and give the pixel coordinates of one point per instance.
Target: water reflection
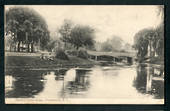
(25, 83)
(149, 80)
(132, 82)
(9, 84)
(51, 88)
(64, 84)
(113, 82)
(80, 83)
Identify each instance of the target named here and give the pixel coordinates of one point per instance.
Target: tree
(28, 26)
(116, 43)
(81, 36)
(22, 22)
(160, 32)
(127, 46)
(106, 47)
(65, 31)
(160, 41)
(11, 28)
(151, 41)
(9, 41)
(141, 40)
(160, 12)
(51, 45)
(113, 44)
(44, 40)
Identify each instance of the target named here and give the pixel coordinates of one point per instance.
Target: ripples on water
(97, 82)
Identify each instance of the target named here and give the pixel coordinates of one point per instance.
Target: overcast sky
(123, 21)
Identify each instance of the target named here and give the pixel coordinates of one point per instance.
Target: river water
(135, 82)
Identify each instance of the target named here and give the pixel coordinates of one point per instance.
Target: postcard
(84, 54)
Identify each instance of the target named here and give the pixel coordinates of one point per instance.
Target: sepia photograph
(84, 54)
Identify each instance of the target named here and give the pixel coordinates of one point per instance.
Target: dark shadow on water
(60, 74)
(26, 83)
(149, 80)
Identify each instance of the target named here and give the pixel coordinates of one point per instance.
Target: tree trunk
(32, 47)
(65, 45)
(15, 48)
(77, 47)
(39, 44)
(10, 48)
(28, 47)
(77, 51)
(19, 46)
(26, 36)
(154, 53)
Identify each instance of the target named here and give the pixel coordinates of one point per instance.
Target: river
(112, 83)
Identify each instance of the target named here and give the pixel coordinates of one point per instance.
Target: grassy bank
(36, 62)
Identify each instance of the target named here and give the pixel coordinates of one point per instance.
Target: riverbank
(37, 62)
(28, 61)
(154, 61)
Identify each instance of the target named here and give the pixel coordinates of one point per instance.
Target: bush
(72, 52)
(123, 51)
(60, 54)
(82, 54)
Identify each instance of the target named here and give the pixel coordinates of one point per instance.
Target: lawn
(37, 62)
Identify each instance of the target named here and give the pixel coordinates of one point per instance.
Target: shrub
(60, 54)
(123, 50)
(82, 54)
(71, 52)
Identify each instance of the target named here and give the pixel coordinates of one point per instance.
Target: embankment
(37, 62)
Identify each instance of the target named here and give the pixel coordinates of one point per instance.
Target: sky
(108, 21)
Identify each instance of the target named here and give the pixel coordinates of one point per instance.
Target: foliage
(106, 47)
(116, 42)
(24, 22)
(79, 53)
(141, 42)
(72, 52)
(60, 54)
(82, 36)
(82, 54)
(65, 31)
(152, 38)
(9, 41)
(127, 46)
(160, 40)
(51, 45)
(76, 36)
(113, 44)
(160, 12)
